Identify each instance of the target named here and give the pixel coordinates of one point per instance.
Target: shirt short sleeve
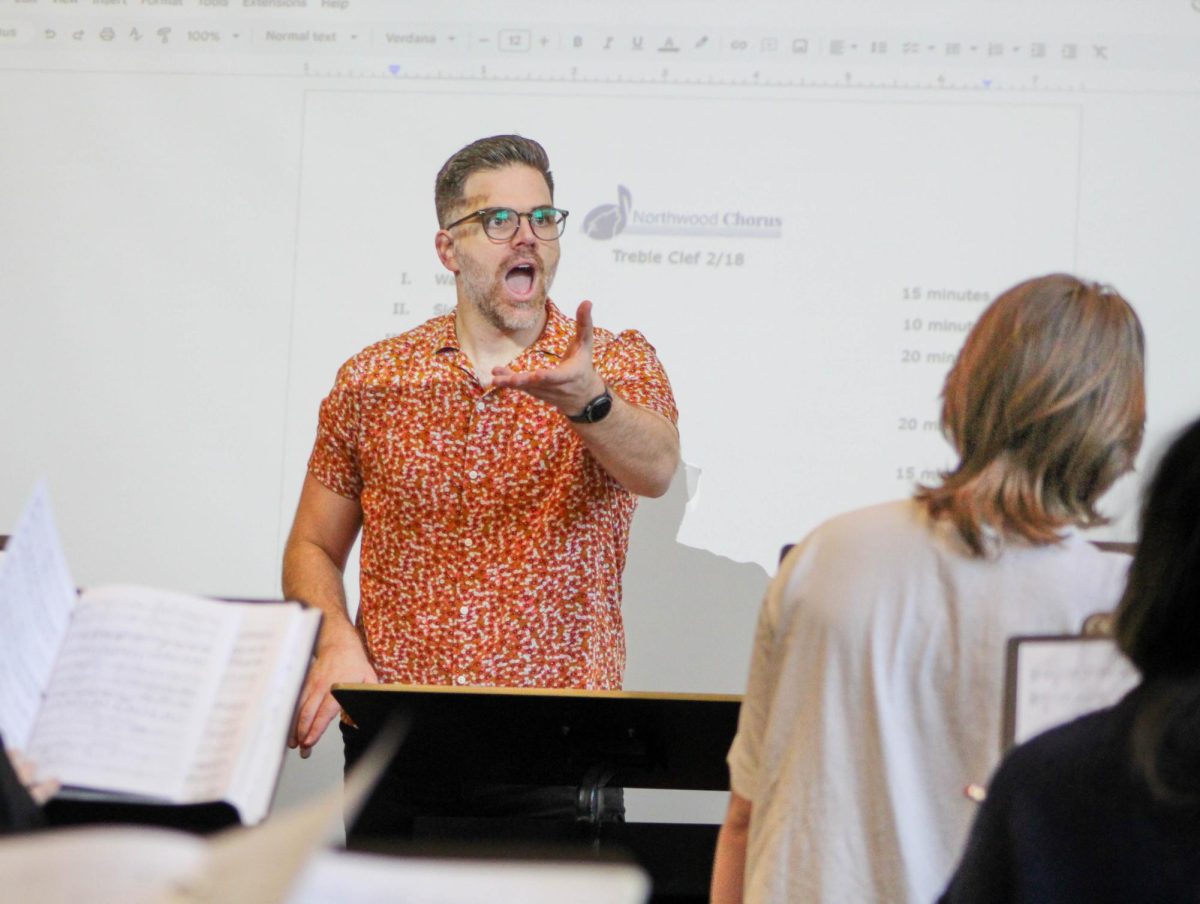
(334, 460)
(630, 367)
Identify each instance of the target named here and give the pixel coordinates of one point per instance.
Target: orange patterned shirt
(493, 543)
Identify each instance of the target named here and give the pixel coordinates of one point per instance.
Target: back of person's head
(1158, 620)
(1045, 406)
(1158, 626)
(491, 153)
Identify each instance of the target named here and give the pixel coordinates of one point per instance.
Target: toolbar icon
(800, 45)
(164, 33)
(107, 34)
(135, 34)
(49, 34)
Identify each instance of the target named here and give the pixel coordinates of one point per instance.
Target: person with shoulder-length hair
(877, 674)
(1107, 808)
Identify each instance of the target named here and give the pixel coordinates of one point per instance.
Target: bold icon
(50, 34)
(608, 220)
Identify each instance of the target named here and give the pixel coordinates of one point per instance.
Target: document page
(132, 689)
(36, 599)
(235, 716)
(1061, 678)
(258, 769)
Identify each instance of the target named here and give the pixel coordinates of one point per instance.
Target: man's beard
(485, 290)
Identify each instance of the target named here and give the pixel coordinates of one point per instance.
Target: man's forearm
(311, 576)
(638, 447)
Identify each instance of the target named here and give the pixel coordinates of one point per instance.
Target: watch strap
(595, 410)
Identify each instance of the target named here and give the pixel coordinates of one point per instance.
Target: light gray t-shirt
(875, 697)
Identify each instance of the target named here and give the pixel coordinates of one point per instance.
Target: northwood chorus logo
(622, 218)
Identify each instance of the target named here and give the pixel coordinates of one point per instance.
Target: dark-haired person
(1106, 809)
(877, 674)
(492, 458)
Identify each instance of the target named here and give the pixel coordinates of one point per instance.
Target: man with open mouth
(492, 457)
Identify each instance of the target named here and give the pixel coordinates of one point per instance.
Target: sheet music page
(37, 596)
(132, 690)
(350, 878)
(1059, 680)
(235, 717)
(258, 770)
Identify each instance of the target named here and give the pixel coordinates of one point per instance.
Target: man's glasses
(500, 224)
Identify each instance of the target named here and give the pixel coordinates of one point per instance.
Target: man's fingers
(507, 379)
(310, 703)
(583, 322)
(329, 709)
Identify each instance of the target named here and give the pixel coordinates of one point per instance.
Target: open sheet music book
(140, 693)
(1052, 679)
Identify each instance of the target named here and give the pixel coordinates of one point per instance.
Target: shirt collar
(555, 337)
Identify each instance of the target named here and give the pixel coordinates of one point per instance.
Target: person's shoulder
(858, 536)
(395, 352)
(884, 520)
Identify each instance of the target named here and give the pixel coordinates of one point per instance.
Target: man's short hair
(495, 152)
(1045, 405)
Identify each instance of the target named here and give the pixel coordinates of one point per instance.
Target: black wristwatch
(595, 410)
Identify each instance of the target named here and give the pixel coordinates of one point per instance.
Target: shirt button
(474, 475)
(463, 611)
(461, 679)
(467, 541)
(479, 406)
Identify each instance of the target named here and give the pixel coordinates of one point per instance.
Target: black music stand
(582, 739)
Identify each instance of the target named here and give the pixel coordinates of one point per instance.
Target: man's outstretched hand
(569, 385)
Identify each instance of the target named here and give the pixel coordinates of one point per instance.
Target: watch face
(597, 409)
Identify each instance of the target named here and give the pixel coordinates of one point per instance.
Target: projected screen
(206, 206)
